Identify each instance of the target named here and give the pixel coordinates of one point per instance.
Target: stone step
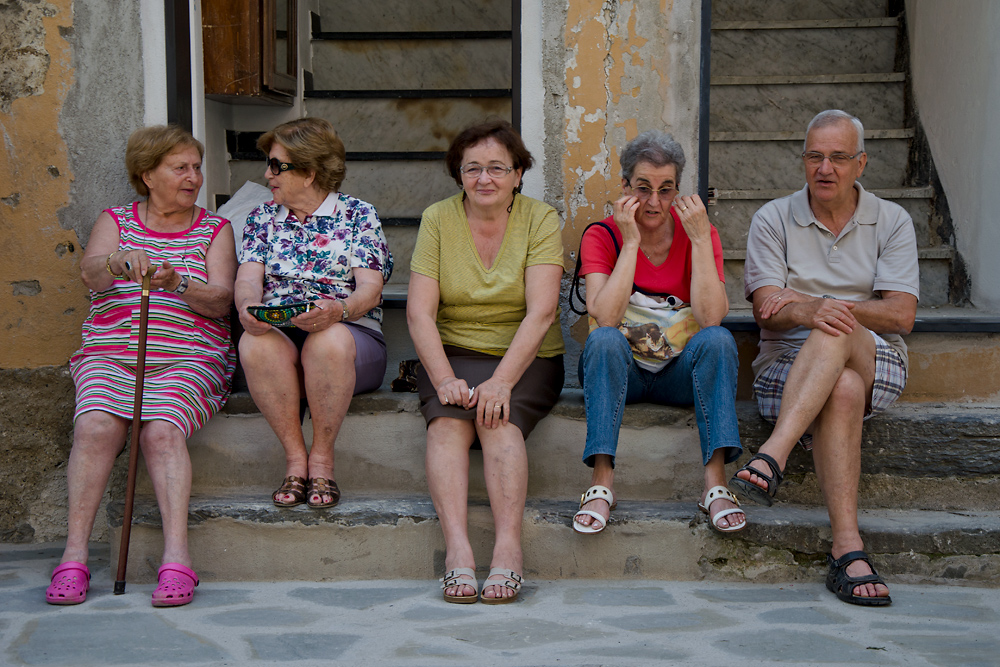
(396, 188)
(242, 539)
(745, 106)
(411, 64)
(809, 48)
(731, 215)
(404, 124)
(407, 15)
(788, 10)
(915, 456)
(762, 165)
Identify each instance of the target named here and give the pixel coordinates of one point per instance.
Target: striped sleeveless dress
(189, 357)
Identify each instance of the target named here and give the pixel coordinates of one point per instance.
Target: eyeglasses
(474, 170)
(815, 159)
(277, 167)
(644, 192)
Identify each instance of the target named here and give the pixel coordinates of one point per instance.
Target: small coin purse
(278, 316)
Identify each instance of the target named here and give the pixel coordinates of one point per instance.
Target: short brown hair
(149, 145)
(500, 130)
(312, 144)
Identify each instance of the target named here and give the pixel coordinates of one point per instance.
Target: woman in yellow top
(484, 317)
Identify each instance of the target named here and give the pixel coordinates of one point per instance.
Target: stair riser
(378, 125)
(732, 218)
(795, 10)
(799, 52)
(409, 15)
(411, 64)
(758, 165)
(782, 108)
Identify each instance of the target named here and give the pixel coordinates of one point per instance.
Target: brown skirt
(531, 398)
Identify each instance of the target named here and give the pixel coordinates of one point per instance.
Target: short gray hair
(655, 147)
(832, 117)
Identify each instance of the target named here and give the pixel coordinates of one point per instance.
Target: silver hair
(832, 117)
(655, 147)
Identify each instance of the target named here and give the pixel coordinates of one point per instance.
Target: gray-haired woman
(656, 296)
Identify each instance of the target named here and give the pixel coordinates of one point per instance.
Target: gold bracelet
(108, 264)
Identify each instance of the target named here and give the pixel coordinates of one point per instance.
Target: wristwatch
(347, 313)
(183, 286)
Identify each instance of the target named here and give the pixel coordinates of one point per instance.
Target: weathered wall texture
(954, 54)
(612, 69)
(70, 94)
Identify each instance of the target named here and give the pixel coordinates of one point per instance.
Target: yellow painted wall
(42, 301)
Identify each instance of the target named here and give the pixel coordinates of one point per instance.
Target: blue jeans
(703, 375)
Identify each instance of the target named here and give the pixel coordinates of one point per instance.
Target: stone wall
(71, 92)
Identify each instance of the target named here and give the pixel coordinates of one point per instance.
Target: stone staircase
(929, 488)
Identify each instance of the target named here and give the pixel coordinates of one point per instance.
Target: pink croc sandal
(176, 585)
(70, 582)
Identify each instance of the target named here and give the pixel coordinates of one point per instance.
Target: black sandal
(842, 584)
(751, 491)
(293, 486)
(322, 487)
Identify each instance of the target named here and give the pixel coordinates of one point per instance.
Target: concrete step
(915, 456)
(407, 15)
(734, 209)
(780, 107)
(763, 165)
(788, 10)
(396, 188)
(411, 64)
(242, 539)
(404, 124)
(803, 50)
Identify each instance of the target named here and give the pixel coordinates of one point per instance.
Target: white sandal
(511, 580)
(596, 492)
(722, 493)
(452, 579)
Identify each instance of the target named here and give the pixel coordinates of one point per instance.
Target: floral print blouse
(315, 258)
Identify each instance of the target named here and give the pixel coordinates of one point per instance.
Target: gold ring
(496, 407)
(684, 208)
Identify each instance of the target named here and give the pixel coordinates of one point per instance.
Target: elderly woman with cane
(189, 256)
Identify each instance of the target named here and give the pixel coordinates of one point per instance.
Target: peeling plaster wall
(612, 69)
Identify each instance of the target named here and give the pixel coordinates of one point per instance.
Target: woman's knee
(605, 344)
(160, 437)
(99, 429)
(334, 347)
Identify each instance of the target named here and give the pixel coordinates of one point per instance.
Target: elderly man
(832, 273)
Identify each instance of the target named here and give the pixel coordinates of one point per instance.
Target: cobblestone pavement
(567, 622)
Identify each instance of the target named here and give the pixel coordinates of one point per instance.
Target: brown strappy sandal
(322, 487)
(293, 486)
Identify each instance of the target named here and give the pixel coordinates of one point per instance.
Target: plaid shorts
(890, 378)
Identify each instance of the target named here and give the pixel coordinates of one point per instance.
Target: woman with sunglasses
(483, 312)
(656, 296)
(322, 256)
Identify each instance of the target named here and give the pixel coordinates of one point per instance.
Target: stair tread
(781, 79)
(808, 24)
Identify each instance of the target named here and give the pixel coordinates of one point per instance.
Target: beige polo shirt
(788, 247)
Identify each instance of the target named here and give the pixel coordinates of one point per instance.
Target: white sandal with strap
(511, 580)
(596, 492)
(452, 579)
(722, 493)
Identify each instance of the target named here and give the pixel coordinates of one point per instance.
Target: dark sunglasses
(276, 166)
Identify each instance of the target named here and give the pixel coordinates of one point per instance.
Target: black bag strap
(574, 290)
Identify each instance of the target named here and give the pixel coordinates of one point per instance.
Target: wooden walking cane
(133, 455)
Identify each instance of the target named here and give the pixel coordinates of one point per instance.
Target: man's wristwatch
(180, 289)
(347, 314)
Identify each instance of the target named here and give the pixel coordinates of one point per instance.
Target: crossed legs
(505, 464)
(827, 392)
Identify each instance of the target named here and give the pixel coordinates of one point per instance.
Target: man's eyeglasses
(644, 192)
(815, 159)
(276, 166)
(474, 170)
